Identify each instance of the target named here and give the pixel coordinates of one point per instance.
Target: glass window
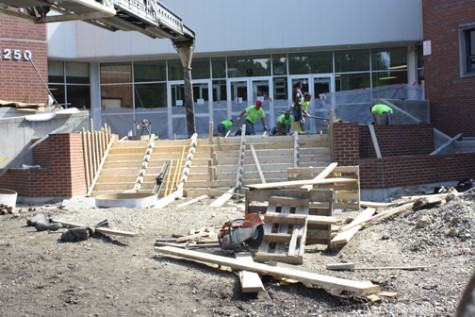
(77, 73)
(200, 68)
(112, 73)
(219, 90)
(58, 93)
(310, 63)
(389, 78)
(117, 96)
(384, 59)
(150, 71)
(352, 61)
(151, 95)
(219, 67)
(280, 88)
(471, 50)
(352, 81)
(248, 66)
(55, 72)
(279, 65)
(175, 70)
(79, 97)
(420, 56)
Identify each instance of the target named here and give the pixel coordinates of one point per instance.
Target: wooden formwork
(346, 195)
(320, 203)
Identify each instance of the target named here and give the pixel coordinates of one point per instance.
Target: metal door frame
(250, 102)
(170, 114)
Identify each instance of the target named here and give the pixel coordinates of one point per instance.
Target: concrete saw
(240, 234)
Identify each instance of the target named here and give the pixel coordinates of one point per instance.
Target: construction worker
(382, 114)
(253, 113)
(297, 107)
(283, 124)
(224, 126)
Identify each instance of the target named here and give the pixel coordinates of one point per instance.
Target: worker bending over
(253, 113)
(382, 114)
(284, 122)
(224, 126)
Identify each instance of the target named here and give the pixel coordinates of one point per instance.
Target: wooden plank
(320, 176)
(241, 156)
(297, 231)
(357, 287)
(264, 247)
(375, 141)
(258, 166)
(303, 238)
(275, 217)
(288, 201)
(250, 281)
(277, 237)
(98, 171)
(303, 182)
(296, 149)
(446, 144)
(381, 216)
(98, 229)
(344, 236)
(283, 228)
(340, 266)
(162, 202)
(197, 199)
(85, 156)
(279, 257)
(224, 198)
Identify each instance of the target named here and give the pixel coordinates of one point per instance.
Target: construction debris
(355, 287)
(4, 209)
(43, 223)
(351, 267)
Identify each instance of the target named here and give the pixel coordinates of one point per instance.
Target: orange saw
(239, 234)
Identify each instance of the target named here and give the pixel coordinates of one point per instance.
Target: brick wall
(18, 78)
(61, 174)
(396, 140)
(452, 97)
(398, 170)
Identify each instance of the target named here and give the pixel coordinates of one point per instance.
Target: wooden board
(356, 287)
(303, 182)
(344, 236)
(275, 217)
(375, 141)
(250, 281)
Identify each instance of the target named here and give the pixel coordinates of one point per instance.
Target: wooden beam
(446, 144)
(303, 182)
(98, 171)
(344, 236)
(356, 287)
(296, 149)
(275, 217)
(288, 201)
(322, 175)
(242, 153)
(380, 216)
(162, 202)
(223, 198)
(98, 229)
(192, 201)
(250, 281)
(256, 160)
(375, 141)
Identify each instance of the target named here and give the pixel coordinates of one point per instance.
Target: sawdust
(124, 276)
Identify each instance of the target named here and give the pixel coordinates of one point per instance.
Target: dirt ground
(124, 276)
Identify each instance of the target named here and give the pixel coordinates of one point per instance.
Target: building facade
(449, 61)
(344, 52)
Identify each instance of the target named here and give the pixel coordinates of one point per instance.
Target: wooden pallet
(284, 235)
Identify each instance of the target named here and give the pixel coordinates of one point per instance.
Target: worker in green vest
(224, 126)
(382, 114)
(253, 113)
(284, 122)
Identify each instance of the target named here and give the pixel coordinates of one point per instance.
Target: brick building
(449, 67)
(20, 42)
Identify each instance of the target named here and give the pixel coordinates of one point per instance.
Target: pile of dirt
(125, 276)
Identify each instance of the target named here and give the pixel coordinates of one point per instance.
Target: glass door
(202, 105)
(323, 92)
(244, 92)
